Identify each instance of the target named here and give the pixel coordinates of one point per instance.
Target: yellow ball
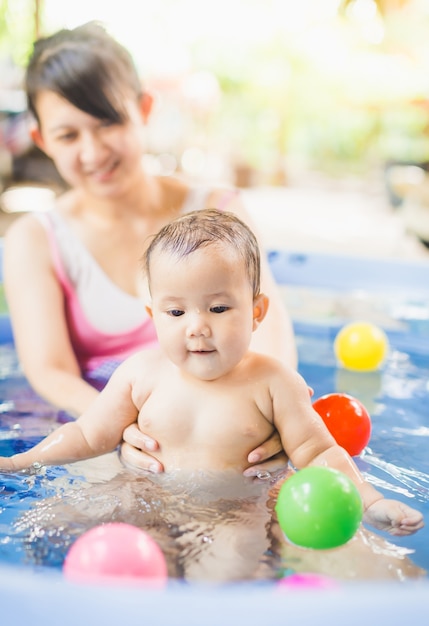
(361, 346)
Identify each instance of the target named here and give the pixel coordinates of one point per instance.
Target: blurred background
(317, 109)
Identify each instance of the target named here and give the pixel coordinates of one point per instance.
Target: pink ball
(116, 553)
(307, 581)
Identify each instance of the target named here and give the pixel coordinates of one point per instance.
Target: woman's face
(96, 156)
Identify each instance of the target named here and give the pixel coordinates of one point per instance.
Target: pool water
(42, 513)
(396, 396)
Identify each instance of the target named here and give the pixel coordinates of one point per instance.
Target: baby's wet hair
(87, 67)
(203, 228)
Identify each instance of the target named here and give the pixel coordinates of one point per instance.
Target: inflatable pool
(322, 292)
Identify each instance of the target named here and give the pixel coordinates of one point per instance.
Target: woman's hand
(136, 450)
(268, 458)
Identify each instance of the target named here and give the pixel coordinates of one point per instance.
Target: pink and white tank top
(105, 323)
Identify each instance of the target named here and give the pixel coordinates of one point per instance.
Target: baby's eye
(175, 312)
(219, 309)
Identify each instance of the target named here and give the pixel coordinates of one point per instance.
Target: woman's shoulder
(33, 223)
(24, 246)
(181, 197)
(227, 192)
(171, 191)
(27, 229)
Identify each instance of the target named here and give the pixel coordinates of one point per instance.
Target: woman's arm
(35, 302)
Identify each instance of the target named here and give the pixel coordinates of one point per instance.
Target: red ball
(116, 553)
(347, 420)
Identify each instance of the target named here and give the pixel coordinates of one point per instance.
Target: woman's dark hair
(87, 67)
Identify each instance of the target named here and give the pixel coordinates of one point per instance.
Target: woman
(72, 275)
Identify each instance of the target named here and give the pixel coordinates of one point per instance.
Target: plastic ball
(116, 553)
(361, 346)
(319, 508)
(347, 420)
(307, 581)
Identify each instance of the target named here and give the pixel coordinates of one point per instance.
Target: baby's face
(202, 307)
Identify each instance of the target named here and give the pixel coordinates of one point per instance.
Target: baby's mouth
(201, 351)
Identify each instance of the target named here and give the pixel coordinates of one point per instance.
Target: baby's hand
(6, 464)
(394, 517)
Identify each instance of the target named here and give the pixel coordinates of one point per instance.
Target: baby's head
(88, 68)
(203, 271)
(209, 227)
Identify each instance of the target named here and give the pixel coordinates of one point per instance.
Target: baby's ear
(260, 308)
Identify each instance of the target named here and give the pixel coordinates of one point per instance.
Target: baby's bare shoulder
(140, 372)
(144, 360)
(141, 365)
(279, 378)
(270, 366)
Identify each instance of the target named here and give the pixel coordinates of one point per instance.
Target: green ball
(319, 508)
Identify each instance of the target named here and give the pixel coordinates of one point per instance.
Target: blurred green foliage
(17, 29)
(3, 304)
(343, 96)
(340, 94)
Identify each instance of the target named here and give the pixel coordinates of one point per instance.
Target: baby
(202, 393)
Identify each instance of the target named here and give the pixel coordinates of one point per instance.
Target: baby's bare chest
(202, 417)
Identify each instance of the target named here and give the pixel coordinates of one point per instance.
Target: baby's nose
(197, 326)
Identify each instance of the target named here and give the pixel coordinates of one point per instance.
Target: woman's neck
(141, 199)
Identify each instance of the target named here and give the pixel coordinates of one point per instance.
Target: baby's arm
(64, 445)
(307, 441)
(98, 431)
(394, 517)
(385, 514)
